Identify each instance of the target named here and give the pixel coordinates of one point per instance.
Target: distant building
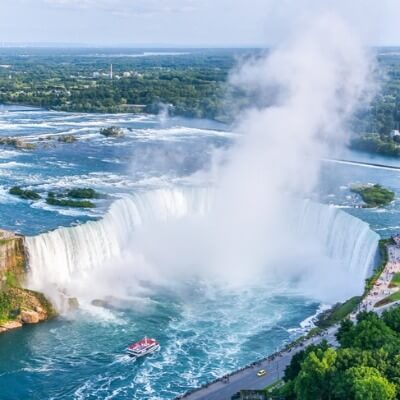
(127, 74)
(396, 239)
(394, 133)
(96, 74)
(111, 71)
(250, 395)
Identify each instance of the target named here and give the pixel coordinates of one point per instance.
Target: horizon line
(72, 45)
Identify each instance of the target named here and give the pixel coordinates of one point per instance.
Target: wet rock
(67, 139)
(10, 325)
(99, 303)
(39, 309)
(41, 312)
(112, 131)
(29, 317)
(17, 143)
(73, 303)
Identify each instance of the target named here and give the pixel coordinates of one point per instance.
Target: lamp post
(277, 369)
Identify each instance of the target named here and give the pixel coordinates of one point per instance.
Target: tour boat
(143, 347)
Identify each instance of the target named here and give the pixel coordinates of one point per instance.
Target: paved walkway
(381, 288)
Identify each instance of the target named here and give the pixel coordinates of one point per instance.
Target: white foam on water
(101, 315)
(69, 211)
(309, 323)
(179, 132)
(5, 154)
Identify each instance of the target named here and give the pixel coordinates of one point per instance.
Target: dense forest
(188, 83)
(191, 83)
(376, 125)
(366, 365)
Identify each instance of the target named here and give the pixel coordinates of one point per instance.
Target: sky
(185, 23)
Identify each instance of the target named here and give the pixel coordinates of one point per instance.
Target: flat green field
(390, 299)
(395, 280)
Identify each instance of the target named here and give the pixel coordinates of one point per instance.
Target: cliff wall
(18, 305)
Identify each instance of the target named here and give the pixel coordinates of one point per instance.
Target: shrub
(24, 194)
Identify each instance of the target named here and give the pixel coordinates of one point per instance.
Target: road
(248, 379)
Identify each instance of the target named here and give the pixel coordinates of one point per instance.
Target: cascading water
(59, 257)
(345, 238)
(66, 256)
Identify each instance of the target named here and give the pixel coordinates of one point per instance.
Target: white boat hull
(151, 350)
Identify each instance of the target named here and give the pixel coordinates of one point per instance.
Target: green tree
(369, 333)
(314, 380)
(344, 334)
(294, 367)
(367, 383)
(392, 318)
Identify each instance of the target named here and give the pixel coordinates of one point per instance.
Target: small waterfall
(65, 255)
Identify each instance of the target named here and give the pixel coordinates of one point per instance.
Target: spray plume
(318, 79)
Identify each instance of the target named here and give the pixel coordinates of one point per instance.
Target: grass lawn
(395, 280)
(273, 386)
(338, 312)
(387, 300)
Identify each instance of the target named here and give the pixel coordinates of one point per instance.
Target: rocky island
(112, 131)
(77, 197)
(374, 195)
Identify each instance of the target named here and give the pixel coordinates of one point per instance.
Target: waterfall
(60, 255)
(343, 237)
(64, 256)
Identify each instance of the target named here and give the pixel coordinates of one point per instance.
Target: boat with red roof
(143, 347)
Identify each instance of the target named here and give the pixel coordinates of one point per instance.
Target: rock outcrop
(17, 143)
(112, 131)
(6, 326)
(29, 317)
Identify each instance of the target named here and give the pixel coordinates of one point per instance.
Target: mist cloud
(187, 22)
(246, 231)
(319, 78)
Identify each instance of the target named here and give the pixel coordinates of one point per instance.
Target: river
(205, 330)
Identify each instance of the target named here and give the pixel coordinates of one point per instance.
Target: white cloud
(127, 7)
(187, 22)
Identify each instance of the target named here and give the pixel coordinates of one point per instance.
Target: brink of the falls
(64, 258)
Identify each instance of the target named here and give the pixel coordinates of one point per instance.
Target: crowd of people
(382, 287)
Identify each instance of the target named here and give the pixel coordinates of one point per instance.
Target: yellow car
(261, 372)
